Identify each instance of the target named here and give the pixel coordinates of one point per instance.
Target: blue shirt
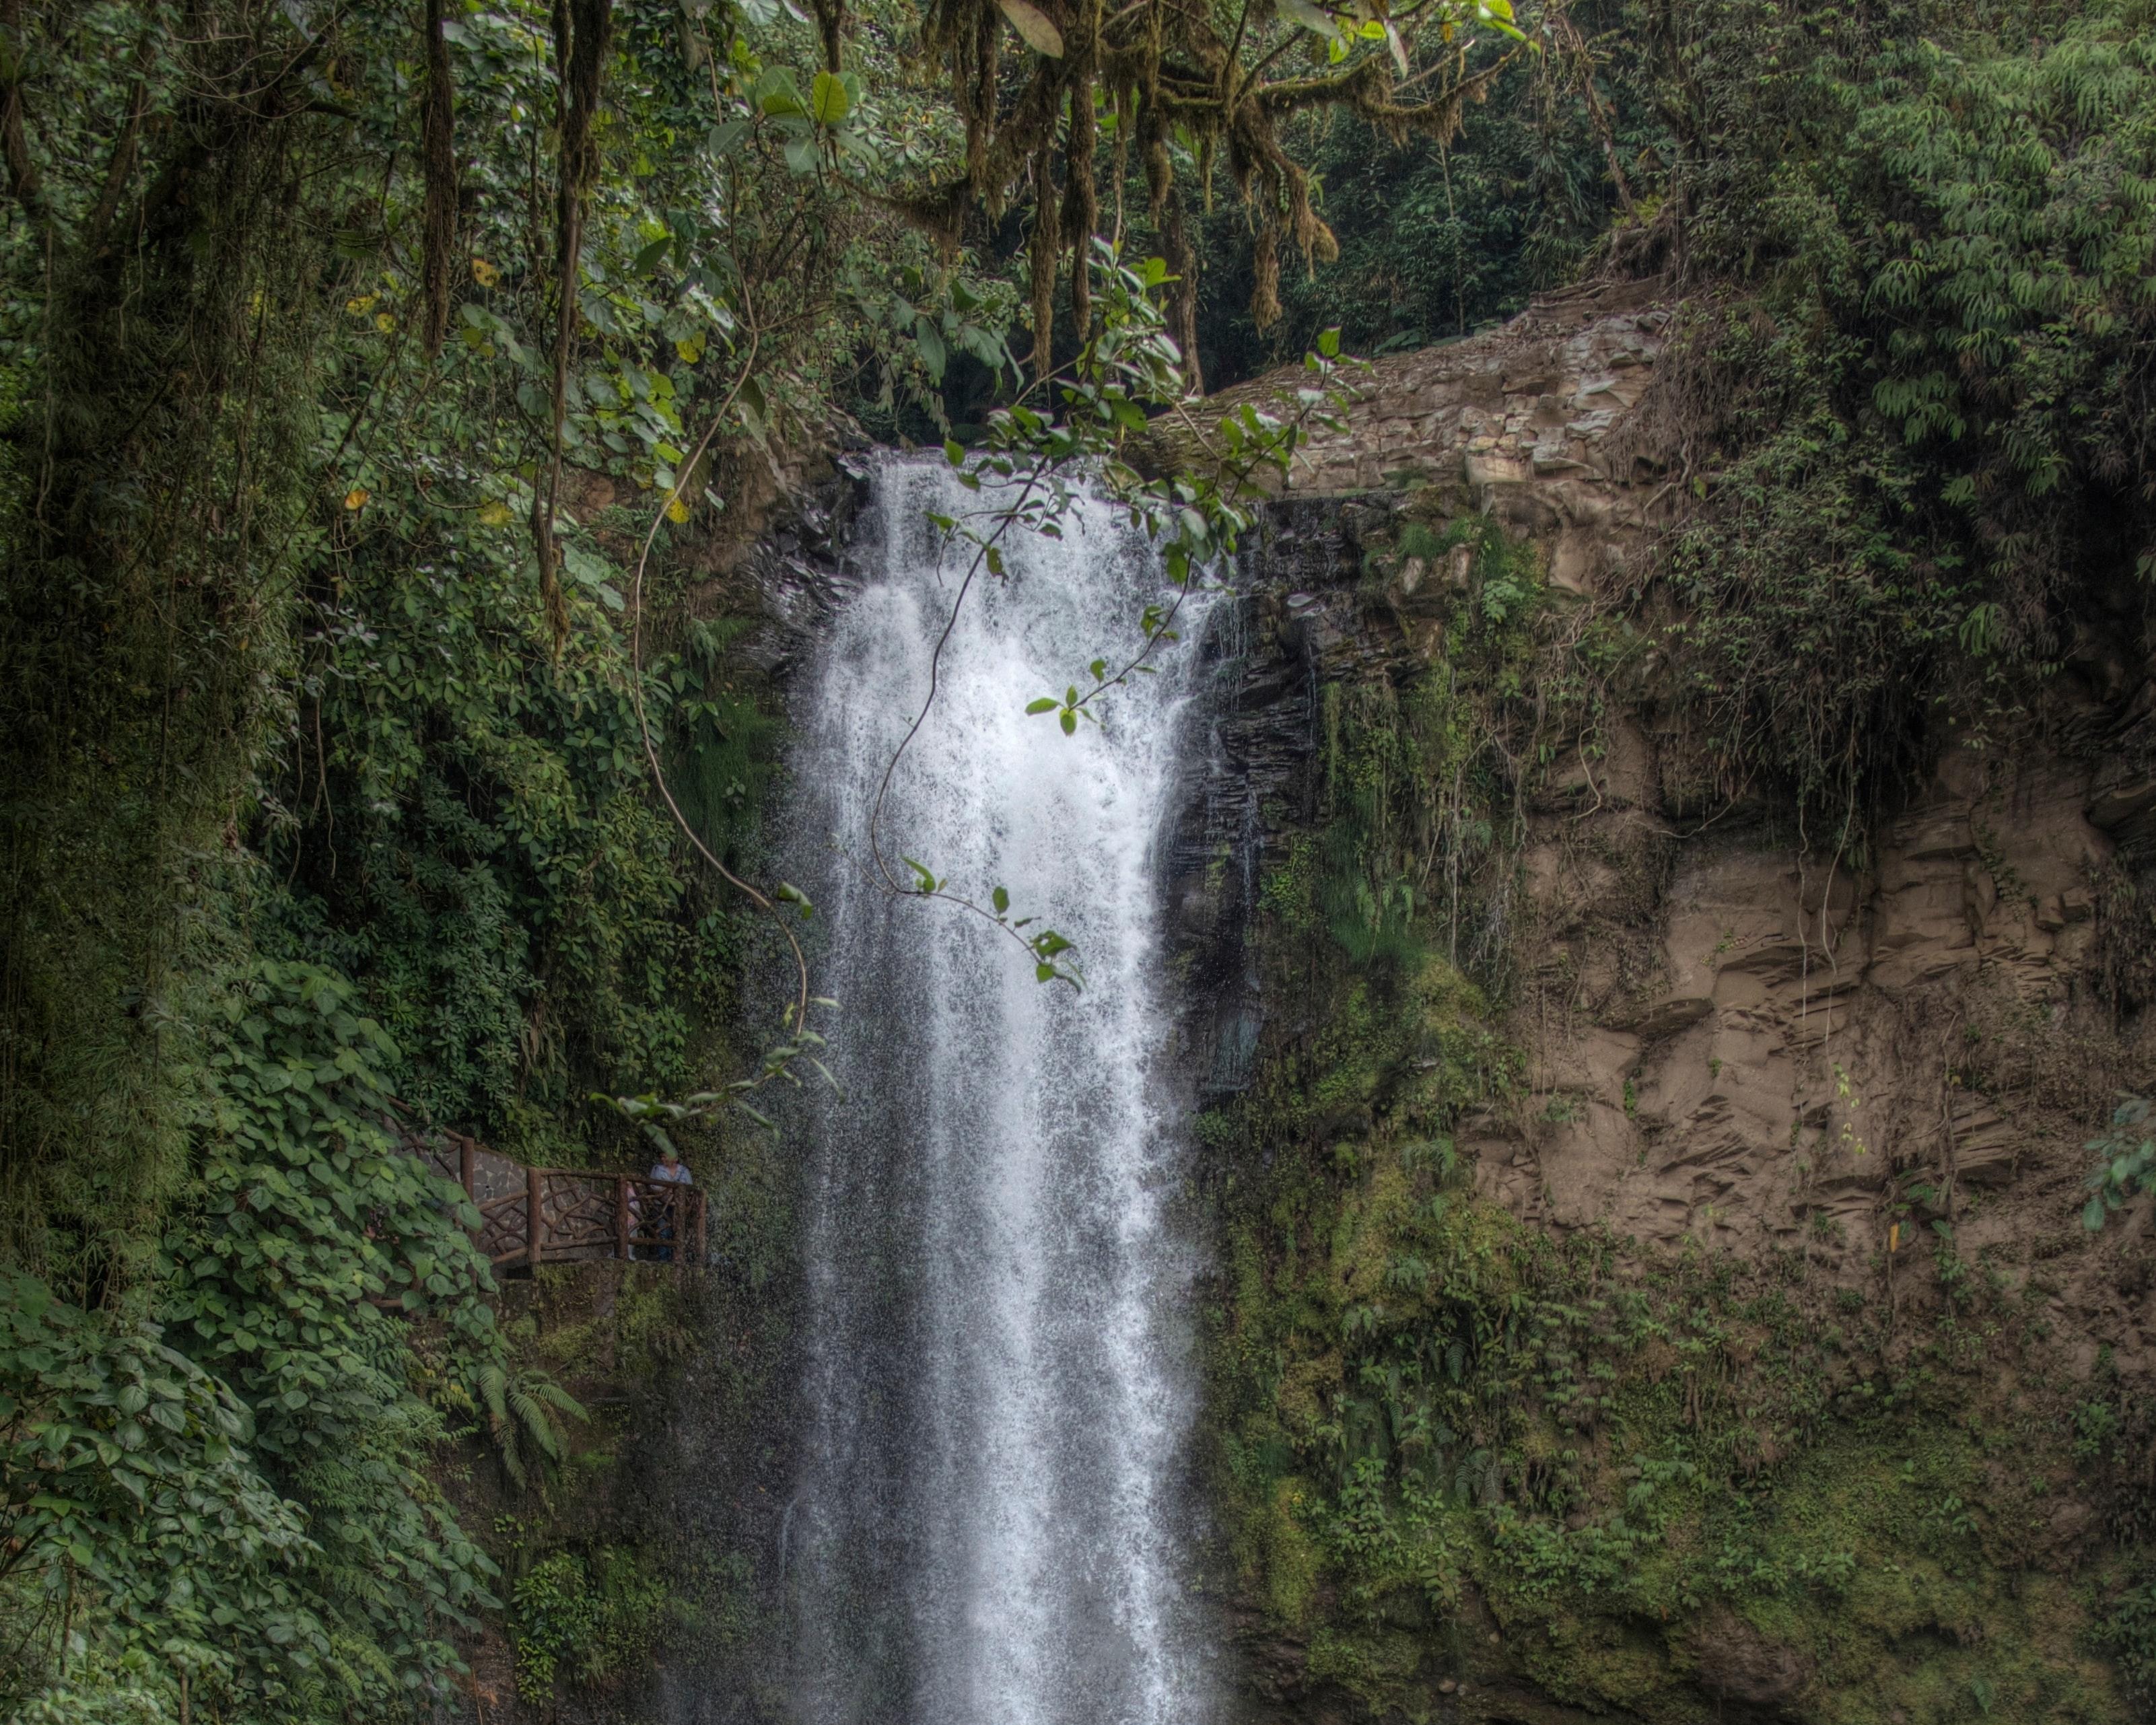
(680, 1177)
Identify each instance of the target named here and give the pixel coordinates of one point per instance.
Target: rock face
(1790, 1032)
(1732, 1037)
(1744, 1671)
(1516, 424)
(1736, 1041)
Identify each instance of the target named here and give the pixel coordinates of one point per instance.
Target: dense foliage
(1920, 415)
(325, 771)
(1437, 242)
(237, 1486)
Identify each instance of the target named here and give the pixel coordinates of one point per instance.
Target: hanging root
(1047, 249)
(1264, 260)
(1081, 204)
(583, 31)
(1169, 71)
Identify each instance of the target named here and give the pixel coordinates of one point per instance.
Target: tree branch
(23, 178)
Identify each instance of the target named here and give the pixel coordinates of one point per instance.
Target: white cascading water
(988, 1527)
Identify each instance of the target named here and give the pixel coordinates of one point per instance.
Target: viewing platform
(530, 1216)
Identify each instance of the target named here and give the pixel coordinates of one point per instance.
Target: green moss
(1452, 1408)
(589, 1619)
(1454, 1405)
(1286, 1557)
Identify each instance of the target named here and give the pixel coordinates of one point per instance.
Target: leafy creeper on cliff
(125, 1487)
(2126, 1162)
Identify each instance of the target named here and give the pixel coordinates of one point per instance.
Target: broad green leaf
(777, 94)
(934, 356)
(829, 100)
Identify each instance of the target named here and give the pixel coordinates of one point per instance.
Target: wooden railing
(530, 1216)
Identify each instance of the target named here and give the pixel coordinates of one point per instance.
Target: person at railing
(669, 1170)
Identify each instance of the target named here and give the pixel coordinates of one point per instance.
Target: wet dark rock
(1744, 1669)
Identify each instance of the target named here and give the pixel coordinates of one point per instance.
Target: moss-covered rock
(1478, 1457)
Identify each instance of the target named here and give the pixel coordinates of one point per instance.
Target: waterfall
(999, 1377)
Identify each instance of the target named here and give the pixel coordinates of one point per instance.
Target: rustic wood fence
(530, 1216)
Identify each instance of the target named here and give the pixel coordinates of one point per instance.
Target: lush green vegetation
(1936, 373)
(226, 1486)
(326, 807)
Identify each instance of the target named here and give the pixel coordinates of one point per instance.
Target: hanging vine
(1189, 89)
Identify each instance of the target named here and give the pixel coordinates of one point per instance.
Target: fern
(521, 1419)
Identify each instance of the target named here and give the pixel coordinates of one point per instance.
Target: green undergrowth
(586, 1618)
(228, 1491)
(1425, 760)
(1451, 1447)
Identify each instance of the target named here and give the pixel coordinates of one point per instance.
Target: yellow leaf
(357, 497)
(363, 304)
(1030, 22)
(691, 351)
(677, 511)
(493, 513)
(484, 273)
(384, 322)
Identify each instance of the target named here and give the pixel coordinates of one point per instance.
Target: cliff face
(640, 1574)
(1788, 1130)
(1754, 1031)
